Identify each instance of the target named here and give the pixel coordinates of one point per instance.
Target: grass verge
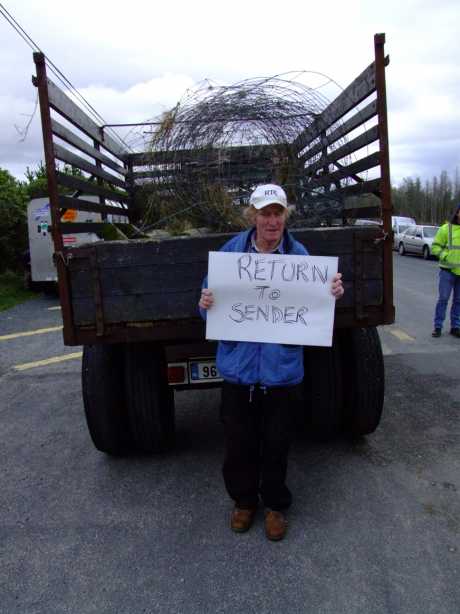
(12, 291)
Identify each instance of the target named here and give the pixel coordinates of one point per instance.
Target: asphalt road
(374, 529)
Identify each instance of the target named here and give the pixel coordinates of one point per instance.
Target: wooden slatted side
(72, 139)
(154, 281)
(90, 187)
(63, 154)
(67, 202)
(351, 170)
(358, 119)
(364, 139)
(70, 228)
(61, 103)
(356, 92)
(208, 155)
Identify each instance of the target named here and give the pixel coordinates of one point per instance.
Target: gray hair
(250, 212)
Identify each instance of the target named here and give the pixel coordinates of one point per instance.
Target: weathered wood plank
(69, 228)
(366, 138)
(209, 155)
(66, 156)
(90, 188)
(358, 119)
(359, 166)
(72, 139)
(68, 202)
(351, 96)
(188, 250)
(181, 279)
(61, 103)
(363, 212)
(366, 187)
(131, 308)
(193, 329)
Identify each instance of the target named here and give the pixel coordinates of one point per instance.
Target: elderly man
(260, 385)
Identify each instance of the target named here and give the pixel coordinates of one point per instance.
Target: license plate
(203, 371)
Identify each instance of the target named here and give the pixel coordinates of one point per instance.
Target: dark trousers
(258, 425)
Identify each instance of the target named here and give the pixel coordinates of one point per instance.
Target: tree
(13, 221)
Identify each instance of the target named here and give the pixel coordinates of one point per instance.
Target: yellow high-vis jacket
(446, 246)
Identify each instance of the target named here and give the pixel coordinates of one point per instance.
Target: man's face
(270, 222)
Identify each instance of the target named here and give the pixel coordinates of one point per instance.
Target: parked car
(400, 224)
(417, 239)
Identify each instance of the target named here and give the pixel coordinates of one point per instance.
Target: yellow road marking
(47, 361)
(401, 335)
(38, 331)
(52, 308)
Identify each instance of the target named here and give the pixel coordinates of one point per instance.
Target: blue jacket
(268, 364)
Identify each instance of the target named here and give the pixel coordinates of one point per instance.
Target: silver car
(398, 230)
(417, 239)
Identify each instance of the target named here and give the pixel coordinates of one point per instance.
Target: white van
(41, 248)
(399, 224)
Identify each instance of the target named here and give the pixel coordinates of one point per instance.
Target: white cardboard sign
(271, 298)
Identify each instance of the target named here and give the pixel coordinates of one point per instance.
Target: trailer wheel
(150, 400)
(103, 397)
(323, 390)
(364, 379)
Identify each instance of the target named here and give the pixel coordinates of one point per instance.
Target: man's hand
(337, 286)
(207, 299)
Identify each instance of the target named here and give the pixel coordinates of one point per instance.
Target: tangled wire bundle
(209, 152)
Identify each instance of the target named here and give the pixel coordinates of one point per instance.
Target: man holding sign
(260, 353)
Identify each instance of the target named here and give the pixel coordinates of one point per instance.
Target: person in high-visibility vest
(446, 246)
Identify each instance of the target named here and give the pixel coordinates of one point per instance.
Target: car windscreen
(429, 231)
(402, 227)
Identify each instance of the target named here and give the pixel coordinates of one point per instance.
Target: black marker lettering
(321, 274)
(259, 270)
(289, 313)
(235, 308)
(283, 272)
(262, 290)
(243, 264)
(277, 314)
(273, 263)
(261, 312)
(300, 271)
(300, 314)
(249, 312)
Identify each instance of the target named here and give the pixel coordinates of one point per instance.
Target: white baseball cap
(268, 194)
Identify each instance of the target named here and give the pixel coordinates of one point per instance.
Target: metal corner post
(64, 289)
(385, 190)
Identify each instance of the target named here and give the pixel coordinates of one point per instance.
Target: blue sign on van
(42, 211)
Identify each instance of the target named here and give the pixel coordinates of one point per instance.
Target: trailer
(132, 304)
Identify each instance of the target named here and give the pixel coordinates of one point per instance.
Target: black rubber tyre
(104, 399)
(402, 249)
(149, 399)
(323, 390)
(364, 379)
(426, 252)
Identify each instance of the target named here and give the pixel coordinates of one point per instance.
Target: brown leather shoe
(275, 525)
(241, 519)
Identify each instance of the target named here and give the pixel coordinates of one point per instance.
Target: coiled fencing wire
(206, 155)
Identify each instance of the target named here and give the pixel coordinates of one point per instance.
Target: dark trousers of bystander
(258, 426)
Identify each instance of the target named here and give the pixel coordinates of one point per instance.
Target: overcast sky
(132, 60)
